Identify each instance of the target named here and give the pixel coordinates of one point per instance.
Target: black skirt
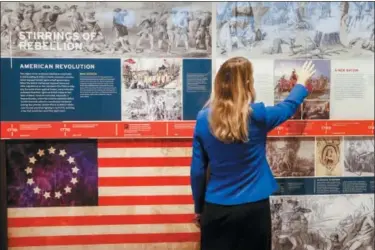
(239, 227)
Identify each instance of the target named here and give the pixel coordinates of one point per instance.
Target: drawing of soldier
(52, 17)
(46, 9)
(352, 157)
(6, 28)
(235, 40)
(76, 19)
(147, 28)
(27, 23)
(364, 237)
(361, 165)
(334, 241)
(162, 32)
(182, 29)
(15, 20)
(293, 79)
(122, 33)
(91, 26)
(298, 224)
(152, 109)
(203, 34)
(276, 225)
(18, 15)
(6, 19)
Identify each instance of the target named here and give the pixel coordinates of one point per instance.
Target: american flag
(144, 202)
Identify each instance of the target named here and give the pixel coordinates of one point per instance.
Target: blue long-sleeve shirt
(239, 172)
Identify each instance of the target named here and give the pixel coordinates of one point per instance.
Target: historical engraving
(329, 222)
(152, 105)
(152, 73)
(106, 29)
(359, 156)
(316, 110)
(328, 156)
(296, 29)
(291, 156)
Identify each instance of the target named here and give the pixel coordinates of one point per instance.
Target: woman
(233, 209)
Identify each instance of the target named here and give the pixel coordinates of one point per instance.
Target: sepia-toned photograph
(314, 30)
(106, 29)
(327, 222)
(315, 110)
(328, 156)
(286, 78)
(152, 105)
(359, 156)
(152, 73)
(289, 157)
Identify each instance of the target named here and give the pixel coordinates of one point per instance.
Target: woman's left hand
(197, 220)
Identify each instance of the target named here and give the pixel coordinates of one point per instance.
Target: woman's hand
(306, 72)
(197, 220)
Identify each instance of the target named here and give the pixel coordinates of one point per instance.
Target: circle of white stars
(48, 194)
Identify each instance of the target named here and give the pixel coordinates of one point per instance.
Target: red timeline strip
(172, 129)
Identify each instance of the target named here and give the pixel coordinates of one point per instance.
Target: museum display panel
(98, 108)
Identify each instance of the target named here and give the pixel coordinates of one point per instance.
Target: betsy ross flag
(143, 196)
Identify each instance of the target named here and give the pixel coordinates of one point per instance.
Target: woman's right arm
(278, 114)
(283, 111)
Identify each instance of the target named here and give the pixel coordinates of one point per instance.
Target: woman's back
(239, 172)
(235, 168)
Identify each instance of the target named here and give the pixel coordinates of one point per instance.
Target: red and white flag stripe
(144, 203)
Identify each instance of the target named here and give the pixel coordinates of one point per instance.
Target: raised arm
(198, 172)
(276, 115)
(281, 112)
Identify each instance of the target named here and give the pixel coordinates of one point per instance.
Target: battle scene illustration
(107, 29)
(329, 222)
(316, 110)
(328, 156)
(358, 156)
(152, 105)
(286, 78)
(152, 73)
(289, 157)
(316, 30)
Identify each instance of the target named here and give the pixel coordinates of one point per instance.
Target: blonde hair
(233, 91)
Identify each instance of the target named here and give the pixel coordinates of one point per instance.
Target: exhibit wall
(98, 108)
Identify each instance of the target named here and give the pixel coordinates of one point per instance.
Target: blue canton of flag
(52, 173)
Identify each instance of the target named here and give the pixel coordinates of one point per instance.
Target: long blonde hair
(229, 103)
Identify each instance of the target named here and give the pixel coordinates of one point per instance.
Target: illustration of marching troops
(170, 30)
